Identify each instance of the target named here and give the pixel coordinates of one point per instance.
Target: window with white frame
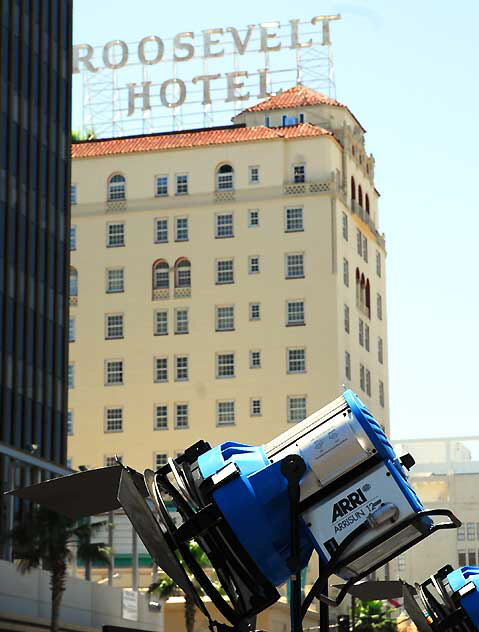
(225, 413)
(381, 393)
(71, 376)
(471, 558)
(255, 311)
(224, 225)
(73, 281)
(181, 229)
(225, 318)
(161, 230)
(461, 533)
(362, 377)
(161, 185)
(160, 421)
(255, 407)
(116, 187)
(378, 263)
(345, 227)
(296, 408)
(253, 264)
(471, 531)
(113, 372)
(161, 369)
(368, 381)
(71, 329)
(380, 351)
(114, 419)
(224, 271)
(161, 322)
(346, 319)
(295, 265)
(225, 365)
(114, 326)
(365, 249)
(70, 422)
(295, 312)
(181, 368)
(255, 359)
(366, 336)
(346, 272)
(183, 273)
(359, 242)
(299, 173)
(115, 280)
(347, 365)
(294, 219)
(379, 306)
(181, 184)
(73, 194)
(181, 415)
(73, 237)
(361, 332)
(401, 563)
(461, 558)
(253, 218)
(253, 174)
(161, 458)
(224, 178)
(181, 321)
(296, 360)
(115, 234)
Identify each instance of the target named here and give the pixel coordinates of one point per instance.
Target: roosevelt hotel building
(225, 282)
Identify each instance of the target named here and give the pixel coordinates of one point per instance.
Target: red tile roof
(185, 140)
(295, 97)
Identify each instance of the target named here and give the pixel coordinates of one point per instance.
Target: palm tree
(164, 587)
(373, 616)
(45, 539)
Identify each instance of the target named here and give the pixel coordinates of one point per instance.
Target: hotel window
(254, 311)
(471, 558)
(379, 306)
(346, 272)
(181, 229)
(366, 337)
(253, 218)
(224, 271)
(160, 460)
(161, 185)
(361, 332)
(253, 264)
(365, 249)
(116, 187)
(224, 178)
(181, 416)
(73, 237)
(114, 420)
(225, 318)
(345, 226)
(225, 365)
(181, 321)
(471, 530)
(181, 180)
(347, 365)
(161, 417)
(71, 376)
(112, 460)
(183, 273)
(381, 394)
(461, 556)
(225, 413)
(255, 407)
(73, 194)
(224, 225)
(70, 422)
(380, 350)
(296, 408)
(181, 368)
(114, 326)
(115, 281)
(346, 319)
(255, 359)
(161, 230)
(460, 533)
(267, 121)
(295, 265)
(296, 360)
(401, 563)
(294, 220)
(73, 281)
(161, 322)
(115, 235)
(253, 174)
(378, 263)
(359, 242)
(161, 369)
(295, 313)
(71, 330)
(368, 382)
(362, 377)
(113, 372)
(161, 275)
(299, 173)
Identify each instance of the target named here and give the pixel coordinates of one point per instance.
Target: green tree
(373, 616)
(45, 539)
(88, 134)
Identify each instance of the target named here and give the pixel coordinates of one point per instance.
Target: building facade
(225, 282)
(35, 86)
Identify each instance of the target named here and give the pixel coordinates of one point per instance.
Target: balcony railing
(160, 294)
(367, 219)
(305, 188)
(116, 206)
(73, 300)
(225, 196)
(163, 294)
(182, 292)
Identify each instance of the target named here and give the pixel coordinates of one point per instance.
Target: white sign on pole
(130, 604)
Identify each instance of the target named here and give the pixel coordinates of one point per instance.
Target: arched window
(117, 187)
(360, 196)
(161, 275)
(73, 282)
(224, 178)
(362, 291)
(353, 189)
(182, 273)
(367, 203)
(368, 298)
